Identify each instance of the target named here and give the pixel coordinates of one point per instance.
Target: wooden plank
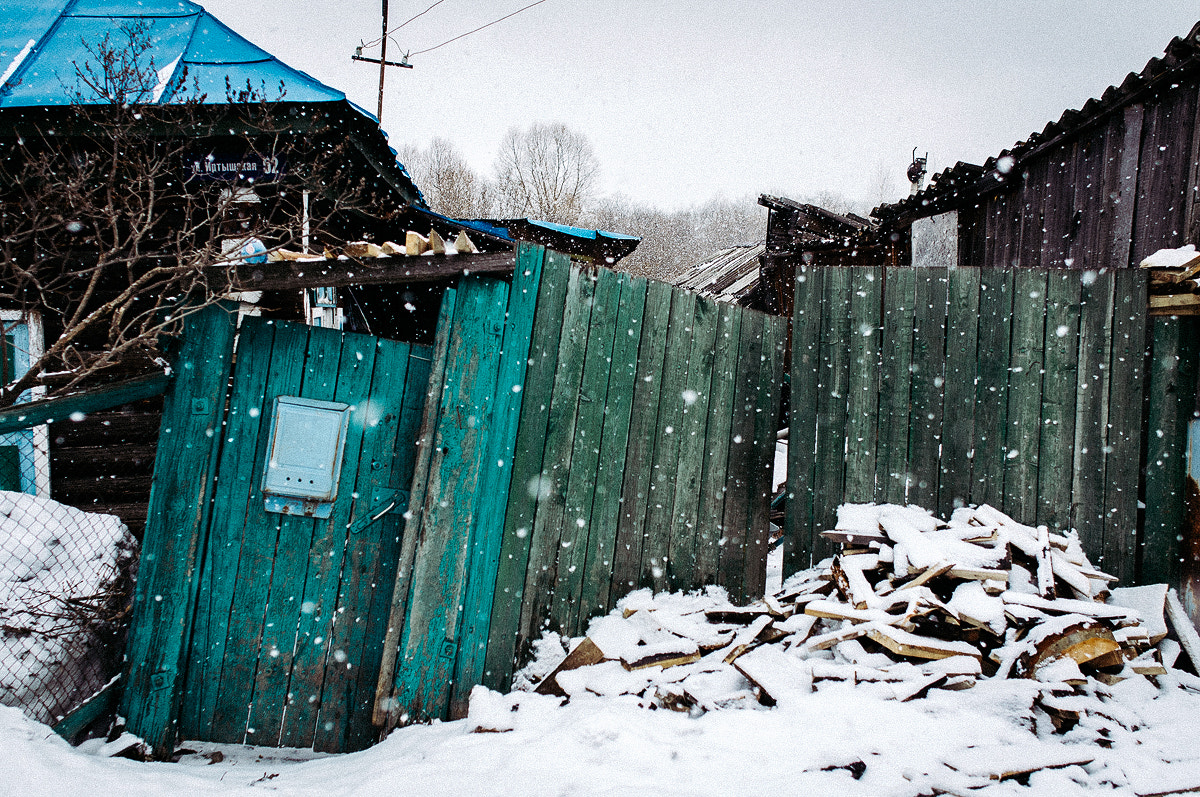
(298, 539)
(386, 715)
(338, 553)
(635, 487)
(829, 484)
(1121, 241)
(862, 414)
(184, 465)
(710, 529)
(598, 590)
(286, 275)
(1092, 411)
(102, 702)
(1123, 450)
(802, 418)
(665, 462)
(585, 456)
(345, 721)
(1026, 363)
(1191, 199)
(991, 389)
(739, 483)
(1172, 392)
(928, 382)
(696, 394)
(496, 479)
(519, 515)
(895, 382)
(440, 565)
(1056, 448)
(240, 466)
(962, 340)
(24, 416)
(766, 427)
(540, 604)
(1160, 221)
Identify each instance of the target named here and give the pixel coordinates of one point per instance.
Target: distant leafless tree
(546, 171)
(450, 185)
(104, 231)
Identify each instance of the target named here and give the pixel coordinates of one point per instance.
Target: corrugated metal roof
(728, 276)
(964, 182)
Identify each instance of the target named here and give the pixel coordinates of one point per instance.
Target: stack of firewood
(911, 603)
(1174, 281)
(414, 244)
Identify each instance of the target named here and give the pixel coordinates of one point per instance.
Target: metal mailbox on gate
(304, 456)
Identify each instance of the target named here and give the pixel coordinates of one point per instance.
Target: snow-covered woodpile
(1174, 281)
(912, 603)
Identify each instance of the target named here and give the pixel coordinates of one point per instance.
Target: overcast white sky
(689, 99)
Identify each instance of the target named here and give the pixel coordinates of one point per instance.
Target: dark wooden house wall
(1106, 196)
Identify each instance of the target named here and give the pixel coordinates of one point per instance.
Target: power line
(481, 27)
(373, 42)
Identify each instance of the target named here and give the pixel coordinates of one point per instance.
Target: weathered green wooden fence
(587, 433)
(1023, 388)
(252, 625)
(581, 433)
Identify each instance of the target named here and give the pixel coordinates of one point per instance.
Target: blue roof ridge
(31, 56)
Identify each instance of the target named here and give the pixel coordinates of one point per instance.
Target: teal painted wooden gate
(281, 643)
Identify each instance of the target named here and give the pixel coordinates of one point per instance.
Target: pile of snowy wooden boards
(414, 244)
(911, 603)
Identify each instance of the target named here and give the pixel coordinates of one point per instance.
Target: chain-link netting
(66, 580)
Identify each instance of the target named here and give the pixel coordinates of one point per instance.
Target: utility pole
(381, 60)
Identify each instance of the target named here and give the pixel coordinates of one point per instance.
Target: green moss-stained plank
(319, 600)
(386, 715)
(1125, 423)
(740, 478)
(696, 394)
(551, 485)
(991, 388)
(257, 562)
(928, 382)
(431, 633)
(665, 463)
(240, 467)
(958, 426)
(496, 477)
(1026, 364)
(1172, 391)
(527, 467)
(829, 487)
(862, 414)
(299, 538)
(895, 381)
(585, 456)
(711, 529)
(766, 427)
(1057, 446)
(802, 421)
(597, 589)
(165, 595)
(635, 489)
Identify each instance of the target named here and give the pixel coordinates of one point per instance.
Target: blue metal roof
(42, 41)
(580, 232)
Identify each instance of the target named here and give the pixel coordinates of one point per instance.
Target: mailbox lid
(304, 456)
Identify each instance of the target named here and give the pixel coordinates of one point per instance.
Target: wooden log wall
(588, 433)
(1022, 388)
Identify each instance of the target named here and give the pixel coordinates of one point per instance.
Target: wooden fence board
(210, 632)
(928, 381)
(528, 459)
(895, 385)
(766, 424)
(798, 544)
(693, 451)
(991, 407)
(711, 503)
(1026, 361)
(165, 595)
(496, 479)
(1059, 387)
(599, 590)
(635, 488)
(862, 419)
(585, 457)
(962, 355)
(740, 478)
